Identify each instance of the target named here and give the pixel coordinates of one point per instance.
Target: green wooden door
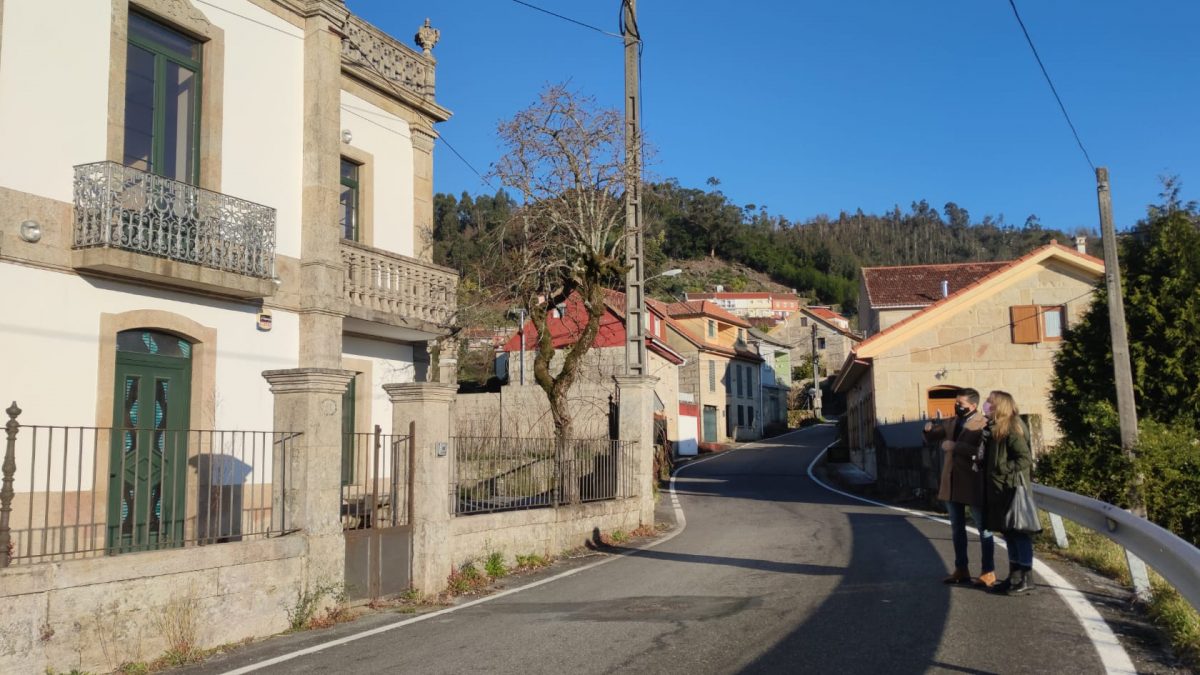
(710, 424)
(147, 488)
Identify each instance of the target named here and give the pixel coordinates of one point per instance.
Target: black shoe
(1024, 585)
(1002, 587)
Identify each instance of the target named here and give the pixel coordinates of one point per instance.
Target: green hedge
(1169, 459)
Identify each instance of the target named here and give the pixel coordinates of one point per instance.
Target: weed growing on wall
(307, 610)
(494, 565)
(179, 622)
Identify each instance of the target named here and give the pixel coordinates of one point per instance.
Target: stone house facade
(224, 188)
(834, 339)
(1000, 331)
(721, 372)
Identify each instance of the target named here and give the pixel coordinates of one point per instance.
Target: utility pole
(816, 385)
(1126, 407)
(635, 285)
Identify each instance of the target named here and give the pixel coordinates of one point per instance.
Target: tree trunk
(566, 465)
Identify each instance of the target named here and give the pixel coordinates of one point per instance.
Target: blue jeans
(1020, 549)
(958, 534)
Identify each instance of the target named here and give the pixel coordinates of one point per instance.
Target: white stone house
(193, 193)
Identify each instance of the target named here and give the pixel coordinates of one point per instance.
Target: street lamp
(669, 273)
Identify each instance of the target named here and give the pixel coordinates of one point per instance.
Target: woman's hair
(1005, 415)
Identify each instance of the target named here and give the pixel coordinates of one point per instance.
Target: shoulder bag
(1022, 515)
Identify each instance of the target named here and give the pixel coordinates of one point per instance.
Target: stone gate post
(308, 481)
(430, 405)
(636, 408)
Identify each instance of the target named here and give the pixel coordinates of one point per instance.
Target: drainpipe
(945, 288)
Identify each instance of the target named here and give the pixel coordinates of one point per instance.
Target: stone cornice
(333, 10)
(420, 391)
(635, 381)
(301, 380)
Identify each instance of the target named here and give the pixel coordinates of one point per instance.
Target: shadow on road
(878, 613)
(746, 563)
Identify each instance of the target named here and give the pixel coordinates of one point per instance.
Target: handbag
(1022, 515)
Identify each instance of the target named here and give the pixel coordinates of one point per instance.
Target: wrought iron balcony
(389, 288)
(118, 208)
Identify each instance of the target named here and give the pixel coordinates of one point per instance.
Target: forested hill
(819, 257)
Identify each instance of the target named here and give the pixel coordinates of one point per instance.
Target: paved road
(772, 574)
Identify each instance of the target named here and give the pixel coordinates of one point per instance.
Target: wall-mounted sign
(264, 320)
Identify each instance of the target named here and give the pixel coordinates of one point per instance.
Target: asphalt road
(773, 573)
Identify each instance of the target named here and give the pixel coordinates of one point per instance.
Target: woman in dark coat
(1006, 459)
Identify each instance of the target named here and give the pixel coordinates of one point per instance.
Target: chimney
(1081, 244)
(945, 288)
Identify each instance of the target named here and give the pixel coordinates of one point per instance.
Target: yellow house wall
(974, 346)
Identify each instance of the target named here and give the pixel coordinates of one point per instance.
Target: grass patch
(1167, 609)
(532, 561)
(619, 536)
(494, 565)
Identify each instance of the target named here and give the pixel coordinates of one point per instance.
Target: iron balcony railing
(78, 492)
(505, 474)
(120, 207)
(381, 281)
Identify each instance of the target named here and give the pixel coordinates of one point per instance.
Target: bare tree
(564, 156)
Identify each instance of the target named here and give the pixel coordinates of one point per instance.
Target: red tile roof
(705, 308)
(825, 313)
(921, 285)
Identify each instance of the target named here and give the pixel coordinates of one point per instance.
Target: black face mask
(961, 410)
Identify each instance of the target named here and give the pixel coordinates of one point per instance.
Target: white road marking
(1114, 657)
(283, 658)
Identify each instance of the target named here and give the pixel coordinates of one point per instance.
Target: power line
(1063, 108)
(440, 136)
(566, 18)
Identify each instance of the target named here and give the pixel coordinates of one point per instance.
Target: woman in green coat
(1006, 458)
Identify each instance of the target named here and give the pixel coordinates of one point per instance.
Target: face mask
(961, 410)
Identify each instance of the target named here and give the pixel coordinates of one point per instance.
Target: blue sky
(817, 107)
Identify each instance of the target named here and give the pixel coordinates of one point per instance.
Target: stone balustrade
(393, 288)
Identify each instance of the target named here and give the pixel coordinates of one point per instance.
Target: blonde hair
(1005, 415)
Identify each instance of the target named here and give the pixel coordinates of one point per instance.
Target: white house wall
(391, 362)
(388, 140)
(51, 333)
(53, 92)
(263, 121)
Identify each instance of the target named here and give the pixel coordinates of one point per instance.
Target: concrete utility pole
(1126, 407)
(635, 286)
(816, 383)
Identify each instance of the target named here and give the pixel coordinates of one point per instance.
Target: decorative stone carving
(427, 37)
(423, 139)
(179, 12)
(383, 56)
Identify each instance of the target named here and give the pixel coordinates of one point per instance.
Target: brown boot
(985, 580)
(959, 576)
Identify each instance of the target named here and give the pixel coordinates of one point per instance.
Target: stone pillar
(431, 406)
(636, 407)
(322, 302)
(308, 480)
(422, 142)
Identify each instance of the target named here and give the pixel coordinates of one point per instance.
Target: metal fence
(75, 492)
(375, 480)
(502, 474)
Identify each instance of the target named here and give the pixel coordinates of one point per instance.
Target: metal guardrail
(1168, 554)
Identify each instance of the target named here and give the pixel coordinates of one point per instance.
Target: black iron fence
(503, 474)
(74, 492)
(375, 480)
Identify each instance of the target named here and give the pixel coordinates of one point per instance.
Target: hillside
(748, 248)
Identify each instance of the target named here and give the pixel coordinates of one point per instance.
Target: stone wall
(95, 614)
(547, 532)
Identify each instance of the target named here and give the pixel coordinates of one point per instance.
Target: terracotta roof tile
(921, 285)
(705, 308)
